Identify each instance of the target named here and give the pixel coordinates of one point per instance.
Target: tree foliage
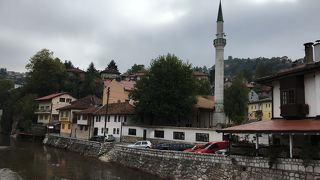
(46, 73)
(203, 87)
(236, 100)
(167, 93)
(136, 68)
(92, 83)
(112, 65)
(68, 64)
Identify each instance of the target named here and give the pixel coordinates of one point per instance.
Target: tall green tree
(236, 100)
(167, 93)
(46, 73)
(68, 64)
(136, 68)
(112, 65)
(203, 87)
(92, 84)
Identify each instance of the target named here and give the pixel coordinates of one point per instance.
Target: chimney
(308, 48)
(317, 51)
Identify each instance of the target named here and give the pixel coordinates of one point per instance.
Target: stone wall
(88, 148)
(181, 165)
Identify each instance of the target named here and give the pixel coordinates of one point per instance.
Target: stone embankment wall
(181, 165)
(88, 148)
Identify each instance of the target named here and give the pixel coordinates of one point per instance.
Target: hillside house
(47, 111)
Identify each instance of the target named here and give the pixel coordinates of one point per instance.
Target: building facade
(47, 111)
(260, 110)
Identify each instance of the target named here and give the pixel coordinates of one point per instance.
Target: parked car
(212, 147)
(141, 144)
(194, 148)
(173, 146)
(107, 138)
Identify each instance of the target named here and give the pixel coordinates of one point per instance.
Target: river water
(37, 162)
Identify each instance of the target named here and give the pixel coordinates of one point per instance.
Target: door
(144, 134)
(95, 131)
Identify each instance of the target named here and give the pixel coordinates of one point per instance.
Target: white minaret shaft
(219, 43)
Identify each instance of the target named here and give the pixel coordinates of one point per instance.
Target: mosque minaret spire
(219, 44)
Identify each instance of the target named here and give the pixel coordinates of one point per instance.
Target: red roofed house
(295, 106)
(47, 112)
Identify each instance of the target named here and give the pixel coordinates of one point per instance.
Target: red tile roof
(83, 103)
(116, 108)
(51, 96)
(276, 126)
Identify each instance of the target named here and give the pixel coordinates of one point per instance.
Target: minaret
(219, 43)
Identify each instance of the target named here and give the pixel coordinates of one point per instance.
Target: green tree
(112, 65)
(136, 68)
(92, 84)
(236, 100)
(46, 73)
(68, 64)
(203, 87)
(167, 93)
(5, 88)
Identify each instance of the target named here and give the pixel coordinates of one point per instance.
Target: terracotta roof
(198, 73)
(127, 85)
(75, 70)
(83, 103)
(277, 126)
(51, 96)
(90, 110)
(204, 102)
(116, 108)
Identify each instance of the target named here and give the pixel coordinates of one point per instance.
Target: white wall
(317, 90)
(190, 133)
(276, 99)
(113, 124)
(310, 94)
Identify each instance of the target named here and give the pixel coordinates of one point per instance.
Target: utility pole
(105, 118)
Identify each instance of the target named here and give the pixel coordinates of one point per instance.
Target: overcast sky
(136, 31)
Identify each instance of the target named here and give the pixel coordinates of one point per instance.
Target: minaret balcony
(219, 42)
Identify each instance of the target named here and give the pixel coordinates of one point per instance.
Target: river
(33, 161)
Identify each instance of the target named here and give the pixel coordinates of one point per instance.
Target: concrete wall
(276, 99)
(181, 165)
(310, 94)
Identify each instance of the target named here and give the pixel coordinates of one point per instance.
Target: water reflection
(34, 161)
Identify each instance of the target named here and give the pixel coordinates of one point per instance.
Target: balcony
(42, 111)
(64, 119)
(82, 122)
(294, 111)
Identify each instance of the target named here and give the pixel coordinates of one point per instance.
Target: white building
(110, 119)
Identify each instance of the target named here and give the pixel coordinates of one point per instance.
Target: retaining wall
(181, 165)
(88, 148)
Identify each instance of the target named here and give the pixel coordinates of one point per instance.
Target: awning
(310, 126)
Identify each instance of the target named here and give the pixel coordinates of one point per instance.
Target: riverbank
(181, 165)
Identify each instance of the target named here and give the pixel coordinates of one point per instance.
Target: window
(287, 97)
(41, 107)
(81, 127)
(119, 118)
(132, 132)
(62, 126)
(78, 117)
(40, 117)
(115, 119)
(101, 130)
(47, 107)
(46, 117)
(178, 135)
(62, 100)
(125, 119)
(114, 130)
(98, 118)
(107, 130)
(118, 131)
(158, 134)
(203, 137)
(85, 117)
(108, 118)
(68, 100)
(69, 126)
(86, 128)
